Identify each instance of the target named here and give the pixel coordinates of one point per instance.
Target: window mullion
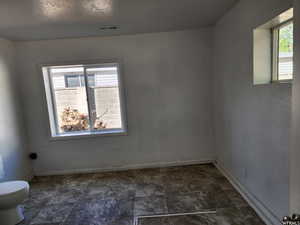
(90, 107)
(275, 54)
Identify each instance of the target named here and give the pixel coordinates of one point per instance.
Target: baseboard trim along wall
(263, 211)
(123, 168)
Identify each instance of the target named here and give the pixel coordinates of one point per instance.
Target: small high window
(84, 99)
(283, 52)
(273, 50)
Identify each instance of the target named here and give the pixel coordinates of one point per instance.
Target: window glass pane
(285, 60)
(104, 98)
(70, 104)
(91, 80)
(72, 81)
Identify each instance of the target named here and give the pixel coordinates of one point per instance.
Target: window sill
(80, 135)
(283, 82)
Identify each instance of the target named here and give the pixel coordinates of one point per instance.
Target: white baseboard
(263, 211)
(123, 168)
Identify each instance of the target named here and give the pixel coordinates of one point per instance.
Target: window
(273, 50)
(84, 99)
(283, 52)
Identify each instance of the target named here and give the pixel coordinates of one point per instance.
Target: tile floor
(116, 198)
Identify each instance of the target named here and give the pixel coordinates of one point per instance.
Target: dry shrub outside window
(73, 120)
(99, 124)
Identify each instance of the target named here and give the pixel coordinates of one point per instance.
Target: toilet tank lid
(12, 186)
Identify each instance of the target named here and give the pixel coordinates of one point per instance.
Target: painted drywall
(168, 82)
(252, 123)
(14, 162)
(295, 153)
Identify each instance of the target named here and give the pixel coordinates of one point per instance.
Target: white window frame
(275, 52)
(52, 112)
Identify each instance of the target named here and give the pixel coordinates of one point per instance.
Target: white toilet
(12, 193)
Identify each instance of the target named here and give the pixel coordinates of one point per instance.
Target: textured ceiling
(50, 19)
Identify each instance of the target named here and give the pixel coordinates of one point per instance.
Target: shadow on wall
(1, 168)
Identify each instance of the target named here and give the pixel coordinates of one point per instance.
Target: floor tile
(82, 180)
(152, 205)
(146, 189)
(251, 218)
(235, 216)
(203, 185)
(53, 214)
(223, 183)
(203, 219)
(154, 221)
(110, 191)
(29, 214)
(48, 224)
(101, 212)
(66, 195)
(122, 221)
(112, 186)
(39, 198)
(221, 199)
(113, 198)
(236, 199)
(176, 185)
(149, 176)
(192, 202)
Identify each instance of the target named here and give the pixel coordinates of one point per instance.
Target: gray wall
(168, 82)
(252, 123)
(295, 153)
(14, 163)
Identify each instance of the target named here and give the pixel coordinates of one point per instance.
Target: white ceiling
(50, 19)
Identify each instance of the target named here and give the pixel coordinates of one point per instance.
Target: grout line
(136, 218)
